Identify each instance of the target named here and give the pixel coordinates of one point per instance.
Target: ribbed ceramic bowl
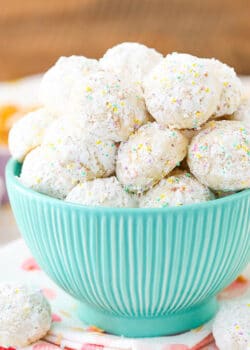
(136, 272)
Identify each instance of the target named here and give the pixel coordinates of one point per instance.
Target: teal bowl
(136, 272)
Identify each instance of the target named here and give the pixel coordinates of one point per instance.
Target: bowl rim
(13, 167)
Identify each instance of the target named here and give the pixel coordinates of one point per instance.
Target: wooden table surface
(34, 33)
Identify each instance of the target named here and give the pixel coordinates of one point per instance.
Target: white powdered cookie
(178, 189)
(27, 133)
(219, 156)
(59, 83)
(231, 328)
(148, 156)
(109, 106)
(55, 168)
(243, 113)
(131, 60)
(102, 192)
(25, 315)
(231, 87)
(182, 91)
(43, 172)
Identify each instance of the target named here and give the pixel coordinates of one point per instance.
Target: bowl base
(168, 324)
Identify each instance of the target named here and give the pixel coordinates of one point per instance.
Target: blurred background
(33, 33)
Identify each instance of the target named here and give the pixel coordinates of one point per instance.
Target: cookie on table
(148, 156)
(231, 327)
(25, 315)
(106, 192)
(27, 133)
(182, 91)
(178, 189)
(219, 156)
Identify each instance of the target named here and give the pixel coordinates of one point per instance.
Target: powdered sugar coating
(85, 156)
(67, 156)
(27, 133)
(25, 315)
(219, 156)
(178, 189)
(44, 172)
(149, 155)
(231, 327)
(131, 60)
(106, 192)
(63, 128)
(59, 82)
(86, 159)
(110, 107)
(231, 87)
(243, 113)
(181, 91)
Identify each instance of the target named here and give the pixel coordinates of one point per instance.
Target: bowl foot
(167, 324)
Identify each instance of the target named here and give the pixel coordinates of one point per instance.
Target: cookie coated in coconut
(25, 315)
(232, 88)
(231, 327)
(182, 91)
(106, 192)
(132, 60)
(109, 106)
(59, 82)
(243, 113)
(219, 156)
(27, 133)
(179, 189)
(148, 156)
